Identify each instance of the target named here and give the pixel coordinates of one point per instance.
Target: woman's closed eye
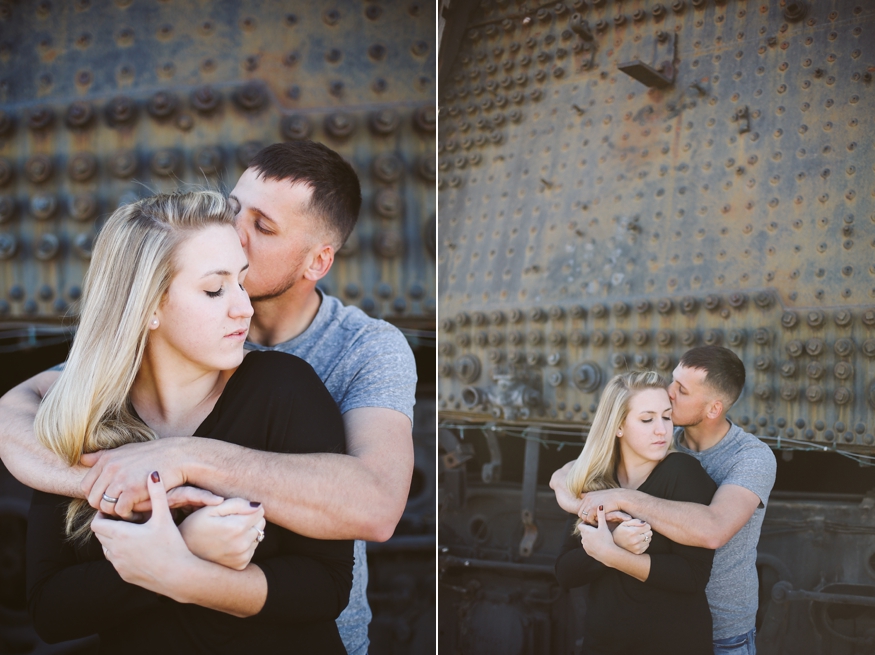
(216, 294)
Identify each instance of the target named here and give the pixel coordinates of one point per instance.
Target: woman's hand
(598, 542)
(151, 555)
(633, 535)
(226, 534)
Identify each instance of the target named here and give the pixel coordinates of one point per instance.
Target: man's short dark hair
(723, 369)
(337, 195)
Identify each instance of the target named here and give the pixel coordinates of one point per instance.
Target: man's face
(276, 232)
(690, 396)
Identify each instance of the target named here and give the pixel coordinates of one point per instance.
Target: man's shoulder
(353, 321)
(746, 445)
(360, 332)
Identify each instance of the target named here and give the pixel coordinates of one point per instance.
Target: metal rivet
(79, 114)
(205, 99)
(251, 96)
(339, 125)
(38, 168)
(121, 110)
(247, 151)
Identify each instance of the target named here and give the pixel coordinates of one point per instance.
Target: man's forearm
(690, 524)
(320, 495)
(29, 461)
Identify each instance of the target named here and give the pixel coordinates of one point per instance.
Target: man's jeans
(738, 645)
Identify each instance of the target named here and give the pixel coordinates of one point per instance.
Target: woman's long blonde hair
(133, 263)
(595, 468)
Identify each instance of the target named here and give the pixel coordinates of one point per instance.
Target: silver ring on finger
(260, 536)
(646, 537)
(109, 499)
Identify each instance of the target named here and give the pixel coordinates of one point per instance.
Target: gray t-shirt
(741, 459)
(364, 362)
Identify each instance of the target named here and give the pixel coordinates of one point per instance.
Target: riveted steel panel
(102, 102)
(619, 182)
(588, 220)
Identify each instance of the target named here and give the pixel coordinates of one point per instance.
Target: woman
(159, 353)
(652, 602)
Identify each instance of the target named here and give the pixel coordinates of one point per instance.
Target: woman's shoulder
(274, 367)
(676, 461)
(682, 467)
(267, 375)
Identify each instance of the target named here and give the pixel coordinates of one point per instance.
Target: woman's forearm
(239, 593)
(637, 566)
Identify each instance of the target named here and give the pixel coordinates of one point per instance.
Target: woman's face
(647, 431)
(204, 317)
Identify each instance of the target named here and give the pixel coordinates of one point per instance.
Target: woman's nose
(242, 307)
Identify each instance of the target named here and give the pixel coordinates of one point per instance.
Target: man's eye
(260, 228)
(215, 294)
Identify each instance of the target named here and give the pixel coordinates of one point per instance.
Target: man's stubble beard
(688, 425)
(285, 285)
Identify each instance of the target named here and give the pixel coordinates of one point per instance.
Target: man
(298, 202)
(706, 383)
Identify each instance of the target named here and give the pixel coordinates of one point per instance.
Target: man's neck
(283, 318)
(706, 434)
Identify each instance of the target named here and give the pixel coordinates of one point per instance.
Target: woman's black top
(669, 612)
(273, 402)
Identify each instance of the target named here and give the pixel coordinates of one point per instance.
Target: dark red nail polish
(155, 477)
(254, 504)
(601, 508)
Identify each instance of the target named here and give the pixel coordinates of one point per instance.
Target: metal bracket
(454, 489)
(491, 471)
(530, 490)
(660, 74)
(457, 452)
(648, 75)
(783, 591)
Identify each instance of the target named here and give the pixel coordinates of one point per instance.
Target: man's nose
(241, 233)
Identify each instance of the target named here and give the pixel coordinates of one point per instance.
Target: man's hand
(121, 472)
(607, 498)
(578, 506)
(564, 497)
(633, 535)
(225, 534)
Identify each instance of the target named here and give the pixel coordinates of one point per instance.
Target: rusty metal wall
(105, 101)
(620, 181)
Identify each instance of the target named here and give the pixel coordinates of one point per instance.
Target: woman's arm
(684, 569)
(599, 544)
(153, 555)
(68, 599)
(574, 566)
(310, 582)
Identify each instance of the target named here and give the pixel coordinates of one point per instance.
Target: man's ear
(715, 410)
(321, 260)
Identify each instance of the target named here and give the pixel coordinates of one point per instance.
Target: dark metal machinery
(620, 180)
(105, 101)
